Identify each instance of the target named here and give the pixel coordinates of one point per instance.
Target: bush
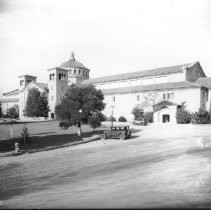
(144, 122)
(112, 119)
(183, 116)
(122, 119)
(148, 116)
(95, 120)
(12, 112)
(138, 113)
(200, 117)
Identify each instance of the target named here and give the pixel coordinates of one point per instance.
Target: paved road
(133, 173)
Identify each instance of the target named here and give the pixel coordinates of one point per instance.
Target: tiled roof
(9, 100)
(13, 92)
(138, 74)
(27, 75)
(206, 82)
(153, 87)
(43, 85)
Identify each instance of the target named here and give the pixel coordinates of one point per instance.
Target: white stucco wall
(57, 89)
(170, 110)
(124, 103)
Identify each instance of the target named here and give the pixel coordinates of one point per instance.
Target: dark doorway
(166, 118)
(52, 115)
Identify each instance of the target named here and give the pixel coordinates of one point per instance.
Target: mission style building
(168, 87)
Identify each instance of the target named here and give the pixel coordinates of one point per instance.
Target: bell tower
(25, 80)
(57, 84)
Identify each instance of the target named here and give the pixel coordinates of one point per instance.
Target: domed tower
(77, 72)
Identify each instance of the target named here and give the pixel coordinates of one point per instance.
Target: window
(171, 95)
(164, 95)
(61, 76)
(83, 72)
(52, 76)
(138, 98)
(113, 99)
(74, 71)
(51, 98)
(168, 96)
(203, 95)
(79, 71)
(21, 82)
(62, 88)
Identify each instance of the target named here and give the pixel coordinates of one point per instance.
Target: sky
(107, 36)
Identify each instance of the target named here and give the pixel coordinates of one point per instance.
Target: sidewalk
(85, 140)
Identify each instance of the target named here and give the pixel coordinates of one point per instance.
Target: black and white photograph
(105, 104)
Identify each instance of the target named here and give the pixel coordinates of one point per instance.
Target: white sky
(107, 36)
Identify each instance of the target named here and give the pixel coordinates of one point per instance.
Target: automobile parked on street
(120, 132)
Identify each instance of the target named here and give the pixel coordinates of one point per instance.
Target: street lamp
(79, 132)
(112, 111)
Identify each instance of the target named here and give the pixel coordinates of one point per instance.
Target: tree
(13, 112)
(36, 104)
(138, 113)
(85, 98)
(149, 100)
(0, 110)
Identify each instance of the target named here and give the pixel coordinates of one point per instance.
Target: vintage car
(120, 132)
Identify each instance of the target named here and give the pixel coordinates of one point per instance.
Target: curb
(50, 148)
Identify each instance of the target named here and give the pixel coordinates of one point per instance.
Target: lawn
(44, 134)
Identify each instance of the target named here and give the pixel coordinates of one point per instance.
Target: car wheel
(103, 136)
(122, 137)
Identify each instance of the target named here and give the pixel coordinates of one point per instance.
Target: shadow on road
(52, 139)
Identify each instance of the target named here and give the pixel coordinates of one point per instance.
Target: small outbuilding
(165, 112)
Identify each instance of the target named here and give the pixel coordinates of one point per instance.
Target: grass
(46, 134)
(43, 134)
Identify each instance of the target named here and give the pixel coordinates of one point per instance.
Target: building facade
(169, 86)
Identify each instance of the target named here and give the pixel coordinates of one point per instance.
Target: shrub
(200, 117)
(148, 116)
(12, 112)
(122, 119)
(144, 122)
(95, 120)
(111, 119)
(183, 116)
(138, 113)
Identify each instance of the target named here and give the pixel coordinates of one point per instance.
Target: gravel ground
(162, 167)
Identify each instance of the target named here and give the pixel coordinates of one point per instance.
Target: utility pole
(80, 133)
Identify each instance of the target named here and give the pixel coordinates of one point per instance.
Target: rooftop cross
(72, 56)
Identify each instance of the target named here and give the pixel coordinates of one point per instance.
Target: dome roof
(72, 63)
